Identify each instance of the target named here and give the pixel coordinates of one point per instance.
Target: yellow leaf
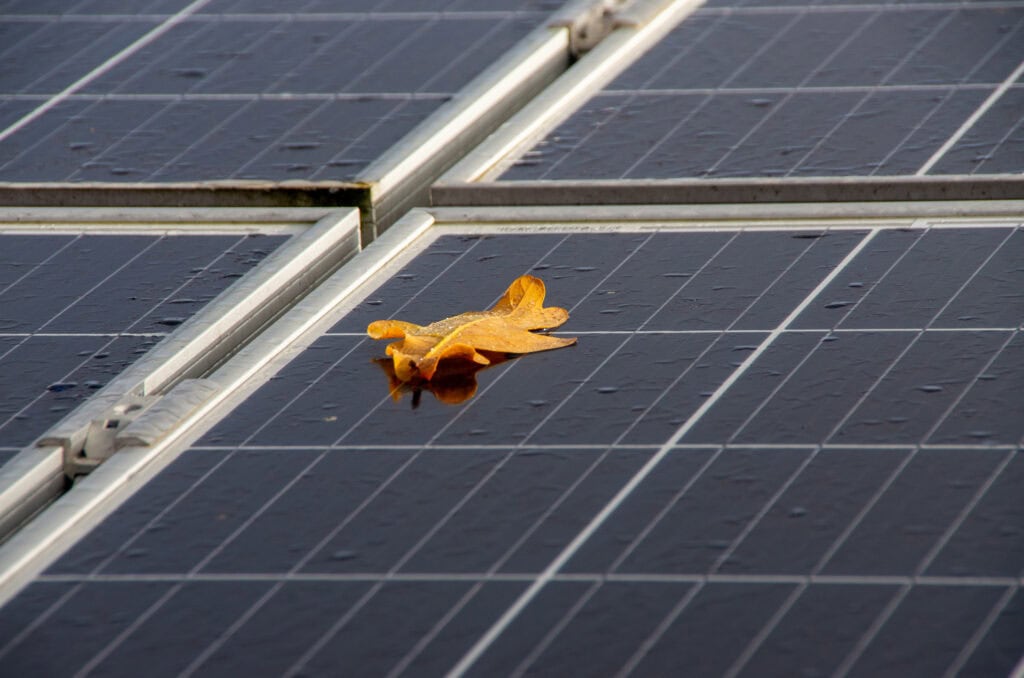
(505, 328)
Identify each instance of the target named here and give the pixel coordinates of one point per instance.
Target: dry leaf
(505, 328)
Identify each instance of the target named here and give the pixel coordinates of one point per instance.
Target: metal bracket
(135, 421)
(588, 25)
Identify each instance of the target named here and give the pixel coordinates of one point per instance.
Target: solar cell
(692, 496)
(78, 309)
(792, 91)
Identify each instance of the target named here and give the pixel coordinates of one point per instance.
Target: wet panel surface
(317, 93)
(108, 299)
(801, 91)
(332, 512)
(923, 614)
(821, 628)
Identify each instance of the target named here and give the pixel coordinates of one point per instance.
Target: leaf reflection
(452, 384)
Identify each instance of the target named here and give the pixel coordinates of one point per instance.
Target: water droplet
(301, 146)
(797, 512)
(745, 347)
(607, 389)
(856, 285)
(343, 554)
(929, 388)
(676, 275)
(61, 386)
(170, 321)
(837, 304)
(584, 269)
(987, 377)
(537, 403)
(980, 434)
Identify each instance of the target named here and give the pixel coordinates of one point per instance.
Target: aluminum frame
(320, 243)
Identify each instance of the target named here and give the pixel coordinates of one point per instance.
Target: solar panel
(722, 463)
(787, 442)
(229, 96)
(803, 91)
(782, 91)
(108, 298)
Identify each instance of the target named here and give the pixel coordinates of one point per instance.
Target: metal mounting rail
(729, 191)
(145, 401)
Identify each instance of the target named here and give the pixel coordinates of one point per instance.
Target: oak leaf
(505, 328)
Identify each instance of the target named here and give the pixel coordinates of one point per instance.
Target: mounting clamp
(588, 22)
(132, 421)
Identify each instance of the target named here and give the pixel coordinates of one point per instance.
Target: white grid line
(248, 97)
(604, 446)
(277, 17)
(523, 577)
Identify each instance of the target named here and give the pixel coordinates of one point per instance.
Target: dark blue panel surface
(708, 634)
(909, 519)
(77, 310)
(317, 91)
(630, 503)
(922, 613)
(820, 630)
(802, 91)
(822, 499)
